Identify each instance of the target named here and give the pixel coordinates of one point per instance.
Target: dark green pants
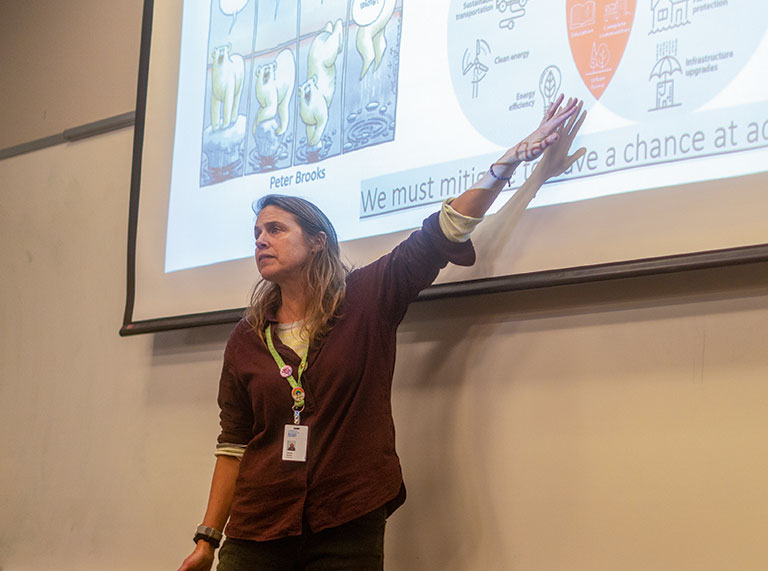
(356, 546)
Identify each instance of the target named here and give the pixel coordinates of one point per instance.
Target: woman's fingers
(575, 122)
(559, 120)
(556, 113)
(574, 116)
(553, 108)
(561, 116)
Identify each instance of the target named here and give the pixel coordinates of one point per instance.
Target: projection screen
(378, 110)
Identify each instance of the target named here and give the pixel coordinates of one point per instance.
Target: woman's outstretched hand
(548, 131)
(557, 160)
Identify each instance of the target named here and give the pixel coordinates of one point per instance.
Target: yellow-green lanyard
(297, 392)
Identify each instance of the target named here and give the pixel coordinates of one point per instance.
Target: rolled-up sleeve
(457, 227)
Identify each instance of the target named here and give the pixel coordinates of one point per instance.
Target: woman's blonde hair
(324, 275)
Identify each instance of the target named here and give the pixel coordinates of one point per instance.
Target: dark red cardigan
(352, 467)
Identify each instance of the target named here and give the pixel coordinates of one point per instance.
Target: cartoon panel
(372, 63)
(273, 102)
(323, 35)
(225, 122)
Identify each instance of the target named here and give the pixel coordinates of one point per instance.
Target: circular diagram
(509, 59)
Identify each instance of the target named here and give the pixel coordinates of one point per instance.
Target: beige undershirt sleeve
(455, 226)
(228, 449)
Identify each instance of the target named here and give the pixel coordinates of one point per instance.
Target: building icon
(669, 14)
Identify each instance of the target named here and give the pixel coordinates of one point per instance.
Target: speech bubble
(365, 12)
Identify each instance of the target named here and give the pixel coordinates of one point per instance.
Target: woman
(306, 469)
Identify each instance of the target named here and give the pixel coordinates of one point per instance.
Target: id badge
(295, 442)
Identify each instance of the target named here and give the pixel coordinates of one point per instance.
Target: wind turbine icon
(474, 65)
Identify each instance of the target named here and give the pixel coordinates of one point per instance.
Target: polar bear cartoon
(313, 109)
(371, 41)
(275, 82)
(226, 84)
(321, 58)
(316, 93)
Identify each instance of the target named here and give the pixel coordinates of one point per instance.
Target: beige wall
(65, 64)
(599, 427)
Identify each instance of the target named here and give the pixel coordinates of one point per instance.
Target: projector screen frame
(623, 269)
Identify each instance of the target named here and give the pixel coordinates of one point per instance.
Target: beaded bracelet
(506, 179)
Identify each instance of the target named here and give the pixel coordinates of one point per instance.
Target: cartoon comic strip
(292, 83)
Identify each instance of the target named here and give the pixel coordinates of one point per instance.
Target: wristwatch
(209, 534)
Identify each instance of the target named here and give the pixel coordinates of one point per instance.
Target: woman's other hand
(201, 559)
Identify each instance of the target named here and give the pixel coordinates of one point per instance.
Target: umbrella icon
(665, 67)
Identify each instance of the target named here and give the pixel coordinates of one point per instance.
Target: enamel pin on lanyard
(296, 435)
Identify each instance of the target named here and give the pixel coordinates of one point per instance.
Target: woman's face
(282, 248)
